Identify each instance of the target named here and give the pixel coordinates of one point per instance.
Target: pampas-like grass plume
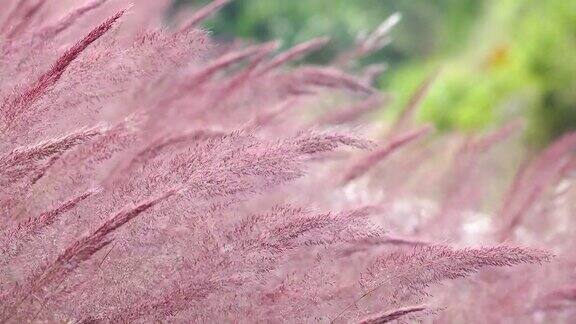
(150, 175)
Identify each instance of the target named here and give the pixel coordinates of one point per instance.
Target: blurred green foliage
(498, 58)
(517, 61)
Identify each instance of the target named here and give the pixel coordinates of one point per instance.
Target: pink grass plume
(65, 22)
(294, 53)
(393, 315)
(204, 13)
(11, 109)
(367, 162)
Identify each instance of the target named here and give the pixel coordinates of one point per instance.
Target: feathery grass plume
(25, 162)
(51, 31)
(294, 53)
(75, 254)
(258, 243)
(499, 135)
(401, 274)
(372, 72)
(463, 191)
(313, 143)
(365, 163)
(208, 198)
(379, 38)
(14, 237)
(14, 107)
(408, 111)
(12, 29)
(352, 112)
(558, 299)
(250, 71)
(394, 315)
(12, 14)
(155, 148)
(330, 78)
(218, 65)
(531, 181)
(383, 240)
(204, 13)
(34, 225)
(265, 118)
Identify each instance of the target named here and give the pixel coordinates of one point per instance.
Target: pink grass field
(151, 175)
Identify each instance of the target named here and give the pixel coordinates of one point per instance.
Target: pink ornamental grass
(150, 175)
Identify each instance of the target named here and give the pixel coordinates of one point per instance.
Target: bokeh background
(498, 59)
